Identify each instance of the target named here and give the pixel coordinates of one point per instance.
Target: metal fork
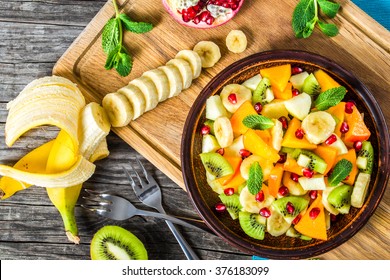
(149, 193)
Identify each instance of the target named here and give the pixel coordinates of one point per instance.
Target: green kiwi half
(283, 206)
(116, 243)
(252, 224)
(216, 164)
(259, 93)
(367, 152)
(311, 85)
(232, 203)
(340, 198)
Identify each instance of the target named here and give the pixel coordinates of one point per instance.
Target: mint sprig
(112, 41)
(340, 172)
(306, 16)
(257, 122)
(255, 179)
(330, 98)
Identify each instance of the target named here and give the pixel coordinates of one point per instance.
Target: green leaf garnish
(329, 8)
(330, 98)
(110, 35)
(328, 29)
(340, 172)
(258, 122)
(255, 180)
(135, 27)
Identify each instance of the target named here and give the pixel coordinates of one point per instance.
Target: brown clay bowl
(283, 247)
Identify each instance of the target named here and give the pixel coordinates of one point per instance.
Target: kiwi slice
(216, 164)
(290, 206)
(314, 162)
(232, 203)
(259, 93)
(117, 243)
(340, 198)
(311, 85)
(367, 152)
(252, 224)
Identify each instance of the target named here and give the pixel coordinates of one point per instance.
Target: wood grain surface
(37, 34)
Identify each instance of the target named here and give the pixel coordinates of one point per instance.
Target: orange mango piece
(264, 134)
(235, 162)
(314, 228)
(292, 166)
(291, 141)
(338, 111)
(351, 156)
(275, 179)
(328, 154)
(278, 75)
(243, 111)
(286, 94)
(326, 82)
(235, 182)
(358, 130)
(257, 146)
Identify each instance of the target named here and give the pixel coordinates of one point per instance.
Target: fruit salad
(286, 153)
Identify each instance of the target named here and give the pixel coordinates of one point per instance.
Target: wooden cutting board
(362, 47)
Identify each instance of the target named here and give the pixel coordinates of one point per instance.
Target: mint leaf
(258, 122)
(304, 12)
(135, 27)
(110, 35)
(124, 64)
(340, 172)
(329, 8)
(110, 61)
(255, 180)
(329, 29)
(330, 98)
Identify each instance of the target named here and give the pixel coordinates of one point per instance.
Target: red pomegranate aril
(221, 151)
(294, 177)
(244, 153)
(314, 213)
(333, 217)
(282, 158)
(265, 212)
(283, 191)
(296, 70)
(226, 5)
(232, 98)
(185, 17)
(290, 208)
(259, 197)
(313, 194)
(203, 15)
(258, 107)
(349, 107)
(299, 133)
(205, 130)
(228, 191)
(344, 127)
(191, 13)
(209, 20)
(196, 20)
(297, 219)
(220, 207)
(295, 92)
(234, 6)
(284, 122)
(331, 139)
(358, 145)
(307, 172)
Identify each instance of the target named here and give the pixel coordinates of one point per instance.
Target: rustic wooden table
(33, 36)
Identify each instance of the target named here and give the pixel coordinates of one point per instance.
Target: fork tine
(147, 176)
(142, 182)
(96, 197)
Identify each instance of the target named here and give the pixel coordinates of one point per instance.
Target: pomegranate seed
(226, 5)
(229, 191)
(283, 191)
(284, 122)
(313, 194)
(196, 20)
(349, 107)
(232, 98)
(307, 172)
(290, 208)
(185, 17)
(221, 151)
(344, 127)
(205, 130)
(220, 207)
(299, 133)
(191, 13)
(265, 212)
(294, 177)
(333, 217)
(331, 139)
(358, 145)
(244, 153)
(234, 6)
(196, 8)
(210, 20)
(203, 15)
(259, 197)
(314, 213)
(295, 92)
(297, 219)
(258, 107)
(282, 158)
(296, 70)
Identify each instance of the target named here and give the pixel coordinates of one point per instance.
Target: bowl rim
(276, 56)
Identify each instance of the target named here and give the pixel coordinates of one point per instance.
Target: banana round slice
(266, 166)
(149, 91)
(318, 126)
(136, 99)
(193, 59)
(250, 204)
(236, 41)
(223, 131)
(118, 109)
(241, 94)
(161, 82)
(209, 53)
(276, 224)
(174, 79)
(185, 71)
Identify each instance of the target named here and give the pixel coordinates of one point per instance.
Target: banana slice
(277, 135)
(266, 166)
(276, 224)
(185, 71)
(233, 95)
(223, 131)
(236, 41)
(193, 59)
(161, 82)
(174, 79)
(209, 53)
(250, 204)
(136, 99)
(149, 91)
(318, 126)
(101, 151)
(118, 109)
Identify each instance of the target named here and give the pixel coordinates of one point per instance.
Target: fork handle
(196, 222)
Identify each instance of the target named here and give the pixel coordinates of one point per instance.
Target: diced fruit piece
(286, 94)
(325, 81)
(367, 152)
(277, 135)
(276, 224)
(252, 224)
(358, 130)
(210, 124)
(235, 182)
(266, 166)
(291, 166)
(298, 79)
(317, 182)
(209, 143)
(294, 187)
(249, 202)
(318, 126)
(216, 165)
(299, 106)
(239, 115)
(339, 146)
(235, 163)
(310, 160)
(223, 131)
(253, 82)
(291, 141)
(215, 108)
(360, 188)
(328, 154)
(240, 93)
(350, 156)
(257, 146)
(234, 149)
(275, 179)
(278, 75)
(232, 203)
(361, 162)
(275, 109)
(340, 198)
(259, 92)
(338, 113)
(290, 206)
(325, 202)
(315, 228)
(311, 85)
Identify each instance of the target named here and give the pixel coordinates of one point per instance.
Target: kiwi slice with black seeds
(340, 198)
(252, 224)
(315, 163)
(367, 152)
(290, 206)
(216, 164)
(259, 93)
(311, 85)
(116, 243)
(232, 203)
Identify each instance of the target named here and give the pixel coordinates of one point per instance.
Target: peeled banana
(118, 109)
(193, 59)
